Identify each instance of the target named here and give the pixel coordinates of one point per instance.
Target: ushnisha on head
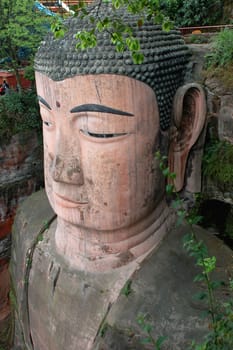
(102, 120)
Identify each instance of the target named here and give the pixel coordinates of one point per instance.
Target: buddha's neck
(105, 250)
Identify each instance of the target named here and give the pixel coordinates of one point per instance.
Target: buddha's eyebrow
(42, 100)
(99, 108)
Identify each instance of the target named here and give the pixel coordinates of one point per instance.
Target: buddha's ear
(189, 108)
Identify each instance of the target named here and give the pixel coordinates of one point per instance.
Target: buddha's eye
(101, 135)
(47, 124)
(47, 117)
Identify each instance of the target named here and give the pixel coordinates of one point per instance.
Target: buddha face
(100, 136)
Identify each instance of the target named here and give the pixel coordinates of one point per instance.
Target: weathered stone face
(100, 136)
(101, 175)
(65, 301)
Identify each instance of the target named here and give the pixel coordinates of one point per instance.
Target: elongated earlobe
(189, 108)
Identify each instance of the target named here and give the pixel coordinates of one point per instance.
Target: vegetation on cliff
(219, 62)
(218, 163)
(22, 29)
(18, 112)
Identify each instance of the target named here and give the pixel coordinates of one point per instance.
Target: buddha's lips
(67, 203)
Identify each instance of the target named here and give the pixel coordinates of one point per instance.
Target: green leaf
(127, 289)
(59, 34)
(172, 175)
(177, 204)
(147, 328)
(166, 171)
(99, 26)
(208, 264)
(86, 39)
(120, 46)
(160, 341)
(181, 213)
(216, 284)
(195, 219)
(137, 57)
(167, 25)
(92, 19)
(169, 188)
(200, 296)
(199, 278)
(133, 44)
(116, 4)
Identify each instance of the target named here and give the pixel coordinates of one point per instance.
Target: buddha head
(103, 120)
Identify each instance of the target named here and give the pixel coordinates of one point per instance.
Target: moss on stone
(218, 164)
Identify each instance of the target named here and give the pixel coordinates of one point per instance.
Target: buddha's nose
(66, 169)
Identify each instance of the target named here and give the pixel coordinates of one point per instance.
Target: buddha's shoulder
(33, 215)
(160, 293)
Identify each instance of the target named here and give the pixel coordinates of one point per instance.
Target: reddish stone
(4, 290)
(5, 227)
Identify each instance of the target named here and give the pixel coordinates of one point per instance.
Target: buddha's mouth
(67, 203)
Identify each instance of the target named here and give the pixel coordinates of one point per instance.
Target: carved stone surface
(21, 170)
(63, 308)
(219, 113)
(101, 131)
(101, 176)
(165, 56)
(21, 173)
(221, 108)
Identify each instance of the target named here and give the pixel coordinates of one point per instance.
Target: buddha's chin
(71, 212)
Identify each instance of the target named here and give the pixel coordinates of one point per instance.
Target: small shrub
(18, 112)
(218, 163)
(127, 289)
(223, 74)
(198, 39)
(147, 327)
(222, 50)
(193, 12)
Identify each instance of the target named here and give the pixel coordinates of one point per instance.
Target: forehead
(115, 91)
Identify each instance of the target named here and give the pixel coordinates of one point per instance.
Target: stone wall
(21, 173)
(219, 125)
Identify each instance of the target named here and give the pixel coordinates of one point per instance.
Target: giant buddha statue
(104, 118)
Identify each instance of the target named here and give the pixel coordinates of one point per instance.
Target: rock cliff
(21, 173)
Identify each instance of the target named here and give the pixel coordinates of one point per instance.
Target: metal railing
(205, 29)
